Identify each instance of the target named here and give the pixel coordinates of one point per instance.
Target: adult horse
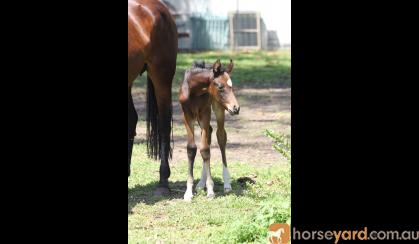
(152, 47)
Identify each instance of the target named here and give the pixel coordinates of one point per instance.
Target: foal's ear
(216, 67)
(230, 66)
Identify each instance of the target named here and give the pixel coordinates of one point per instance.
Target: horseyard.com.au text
(364, 234)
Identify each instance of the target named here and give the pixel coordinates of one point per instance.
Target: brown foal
(204, 87)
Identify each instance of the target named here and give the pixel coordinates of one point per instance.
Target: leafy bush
(281, 143)
(274, 207)
(254, 228)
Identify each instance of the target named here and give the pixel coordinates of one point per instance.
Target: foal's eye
(220, 87)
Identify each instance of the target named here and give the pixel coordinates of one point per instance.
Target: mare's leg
(222, 141)
(162, 83)
(132, 123)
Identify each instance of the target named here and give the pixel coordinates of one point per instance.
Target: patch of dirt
(260, 109)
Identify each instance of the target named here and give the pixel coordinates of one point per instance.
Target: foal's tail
(155, 134)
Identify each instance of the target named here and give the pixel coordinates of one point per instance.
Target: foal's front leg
(222, 141)
(202, 182)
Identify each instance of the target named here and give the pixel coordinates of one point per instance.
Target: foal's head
(221, 87)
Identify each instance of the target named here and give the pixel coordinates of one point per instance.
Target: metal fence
(209, 32)
(243, 31)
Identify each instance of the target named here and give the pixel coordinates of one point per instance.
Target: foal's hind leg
(222, 141)
(204, 121)
(132, 123)
(191, 150)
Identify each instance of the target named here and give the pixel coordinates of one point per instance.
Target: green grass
(239, 217)
(251, 69)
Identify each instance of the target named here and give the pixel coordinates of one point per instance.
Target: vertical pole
(231, 31)
(259, 33)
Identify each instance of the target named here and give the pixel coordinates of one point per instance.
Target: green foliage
(274, 209)
(274, 206)
(281, 143)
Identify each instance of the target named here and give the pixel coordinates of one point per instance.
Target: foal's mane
(199, 66)
(204, 66)
(197, 70)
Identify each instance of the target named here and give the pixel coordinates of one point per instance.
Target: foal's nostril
(236, 109)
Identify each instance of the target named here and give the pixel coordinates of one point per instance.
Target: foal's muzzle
(235, 110)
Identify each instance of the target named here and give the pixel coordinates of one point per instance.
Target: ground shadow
(144, 193)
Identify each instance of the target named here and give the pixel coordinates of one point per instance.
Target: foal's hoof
(227, 190)
(210, 196)
(187, 197)
(200, 186)
(161, 191)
